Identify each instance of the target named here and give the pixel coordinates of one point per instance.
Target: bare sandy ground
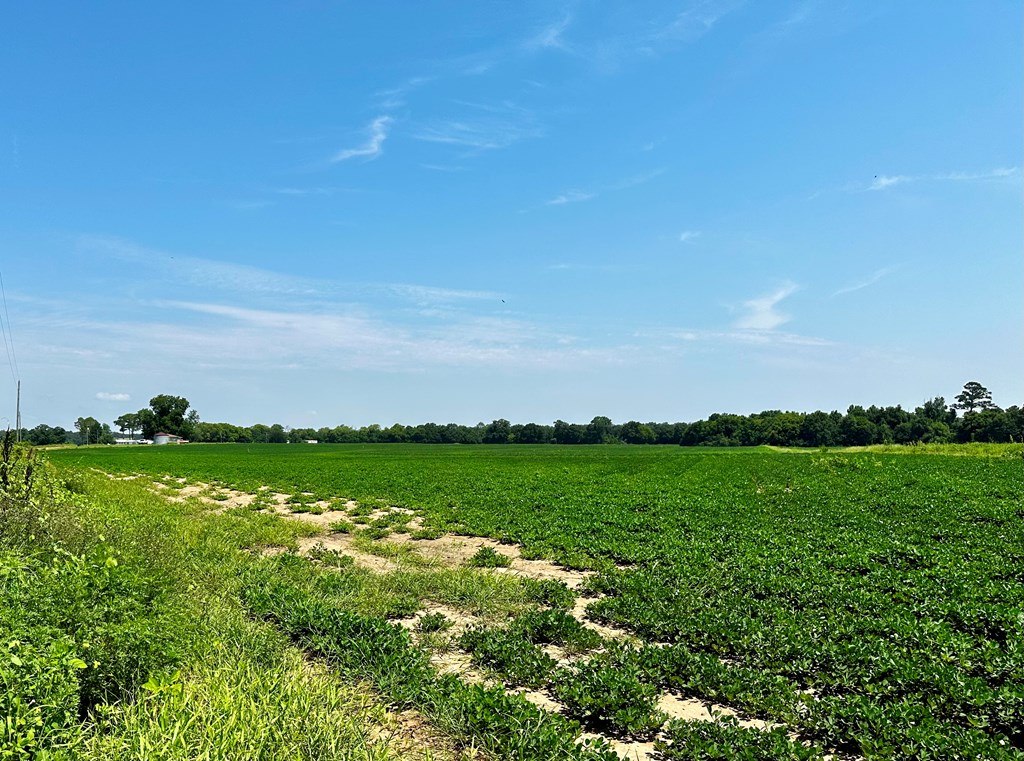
(447, 550)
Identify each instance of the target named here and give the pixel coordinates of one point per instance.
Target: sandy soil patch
(450, 550)
(343, 543)
(458, 620)
(692, 709)
(413, 737)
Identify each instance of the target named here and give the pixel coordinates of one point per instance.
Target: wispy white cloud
(636, 179)
(868, 281)
(478, 135)
(246, 338)
(688, 236)
(576, 195)
(425, 294)
(107, 396)
(483, 127)
(570, 196)
(551, 36)
(179, 270)
(751, 337)
(588, 267)
(313, 191)
(449, 168)
(999, 173)
(761, 313)
(635, 34)
(884, 182)
(698, 19)
(374, 144)
(394, 97)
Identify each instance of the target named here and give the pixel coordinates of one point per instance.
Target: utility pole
(17, 415)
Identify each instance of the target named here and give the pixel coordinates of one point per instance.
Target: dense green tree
(820, 429)
(974, 397)
(936, 409)
(91, 431)
(531, 433)
(428, 433)
(147, 422)
(568, 433)
(989, 425)
(219, 432)
(857, 431)
(395, 433)
(43, 435)
(498, 432)
(128, 422)
(599, 431)
(635, 432)
(169, 413)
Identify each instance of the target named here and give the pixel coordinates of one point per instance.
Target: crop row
(888, 588)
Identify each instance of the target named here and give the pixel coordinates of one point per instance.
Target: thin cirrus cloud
(866, 282)
(689, 236)
(638, 36)
(752, 338)
(108, 396)
(374, 144)
(886, 181)
(576, 195)
(570, 196)
(698, 20)
(234, 335)
(761, 313)
(176, 269)
(551, 36)
(484, 127)
(192, 272)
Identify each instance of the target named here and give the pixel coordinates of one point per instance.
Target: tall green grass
(122, 635)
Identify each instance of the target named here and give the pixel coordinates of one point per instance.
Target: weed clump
(488, 557)
(433, 622)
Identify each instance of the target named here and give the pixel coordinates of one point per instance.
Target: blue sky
(318, 212)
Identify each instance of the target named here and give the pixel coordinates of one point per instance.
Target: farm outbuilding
(166, 438)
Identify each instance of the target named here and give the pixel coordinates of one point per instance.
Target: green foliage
(505, 725)
(555, 627)
(39, 691)
(549, 592)
(342, 527)
(373, 533)
(329, 557)
(433, 622)
(426, 533)
(602, 694)
(507, 653)
(488, 557)
(711, 741)
(869, 600)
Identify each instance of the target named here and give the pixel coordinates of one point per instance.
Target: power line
(5, 328)
(7, 319)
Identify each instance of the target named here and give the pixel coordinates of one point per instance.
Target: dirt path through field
(406, 543)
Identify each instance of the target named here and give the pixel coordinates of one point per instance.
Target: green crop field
(866, 603)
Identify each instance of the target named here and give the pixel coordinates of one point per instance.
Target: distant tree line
(972, 417)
